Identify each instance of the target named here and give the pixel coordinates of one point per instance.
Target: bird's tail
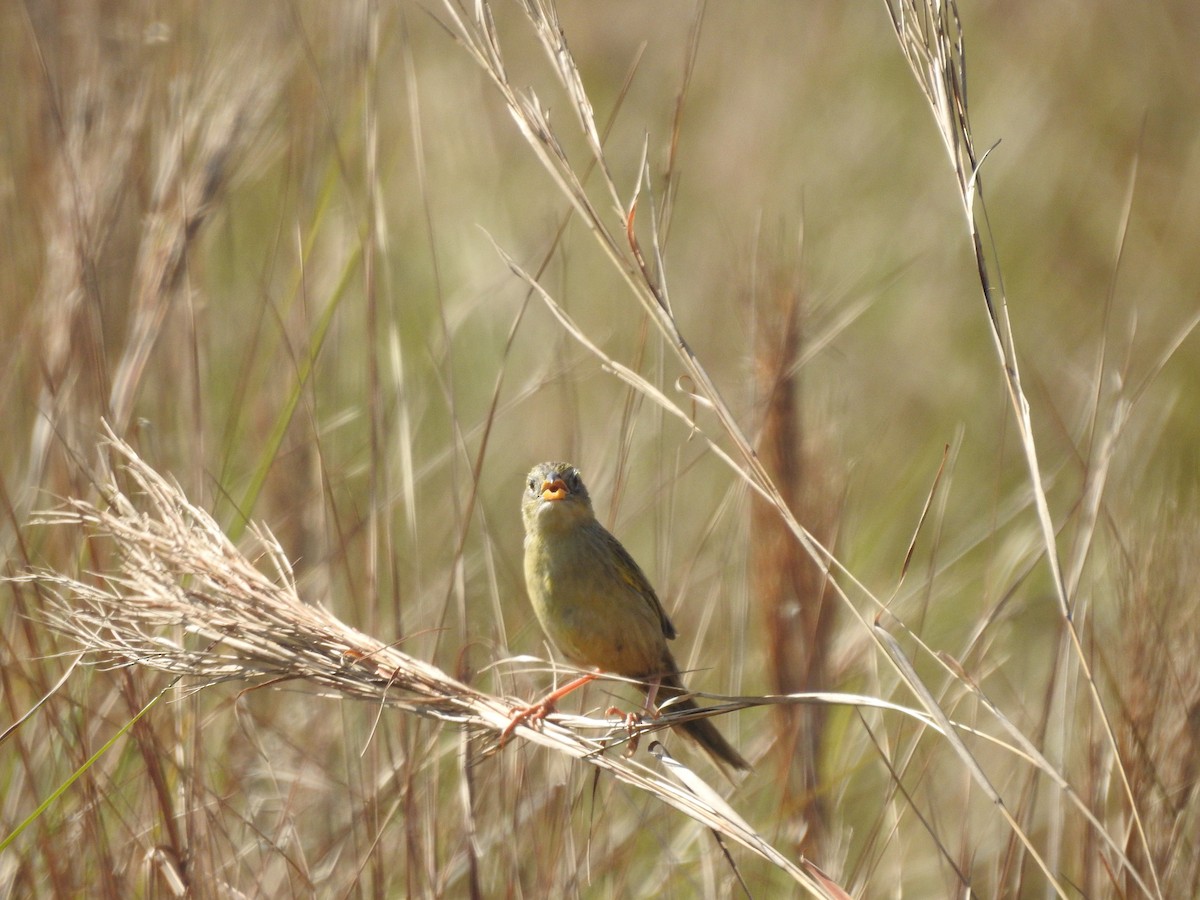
(702, 731)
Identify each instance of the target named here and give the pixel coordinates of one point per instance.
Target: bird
(596, 605)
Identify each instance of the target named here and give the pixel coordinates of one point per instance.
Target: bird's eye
(532, 485)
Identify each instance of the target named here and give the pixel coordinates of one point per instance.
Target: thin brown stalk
(790, 591)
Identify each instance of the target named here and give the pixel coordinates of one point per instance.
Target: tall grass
(336, 277)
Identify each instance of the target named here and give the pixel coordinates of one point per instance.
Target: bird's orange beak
(554, 490)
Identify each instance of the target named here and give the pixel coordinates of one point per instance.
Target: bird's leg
(651, 693)
(537, 711)
(631, 718)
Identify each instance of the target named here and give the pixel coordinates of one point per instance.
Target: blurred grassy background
(317, 194)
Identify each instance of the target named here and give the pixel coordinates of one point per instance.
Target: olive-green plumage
(592, 600)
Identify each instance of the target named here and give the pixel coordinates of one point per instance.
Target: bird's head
(555, 497)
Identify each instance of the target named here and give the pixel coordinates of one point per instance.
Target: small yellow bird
(595, 604)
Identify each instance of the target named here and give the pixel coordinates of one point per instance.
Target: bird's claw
(543, 708)
(631, 720)
(525, 715)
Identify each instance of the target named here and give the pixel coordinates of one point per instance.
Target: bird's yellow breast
(591, 612)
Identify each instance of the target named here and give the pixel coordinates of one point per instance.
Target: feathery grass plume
(97, 133)
(790, 590)
(195, 159)
(232, 622)
(1158, 685)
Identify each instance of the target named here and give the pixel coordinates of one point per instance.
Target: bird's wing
(632, 574)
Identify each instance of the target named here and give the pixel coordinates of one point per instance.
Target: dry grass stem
(931, 38)
(234, 623)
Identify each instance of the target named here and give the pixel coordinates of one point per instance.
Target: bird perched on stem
(595, 604)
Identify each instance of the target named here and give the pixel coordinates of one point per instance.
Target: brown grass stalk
(790, 591)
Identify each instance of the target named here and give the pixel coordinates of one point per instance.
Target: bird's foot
(536, 712)
(631, 720)
(526, 715)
